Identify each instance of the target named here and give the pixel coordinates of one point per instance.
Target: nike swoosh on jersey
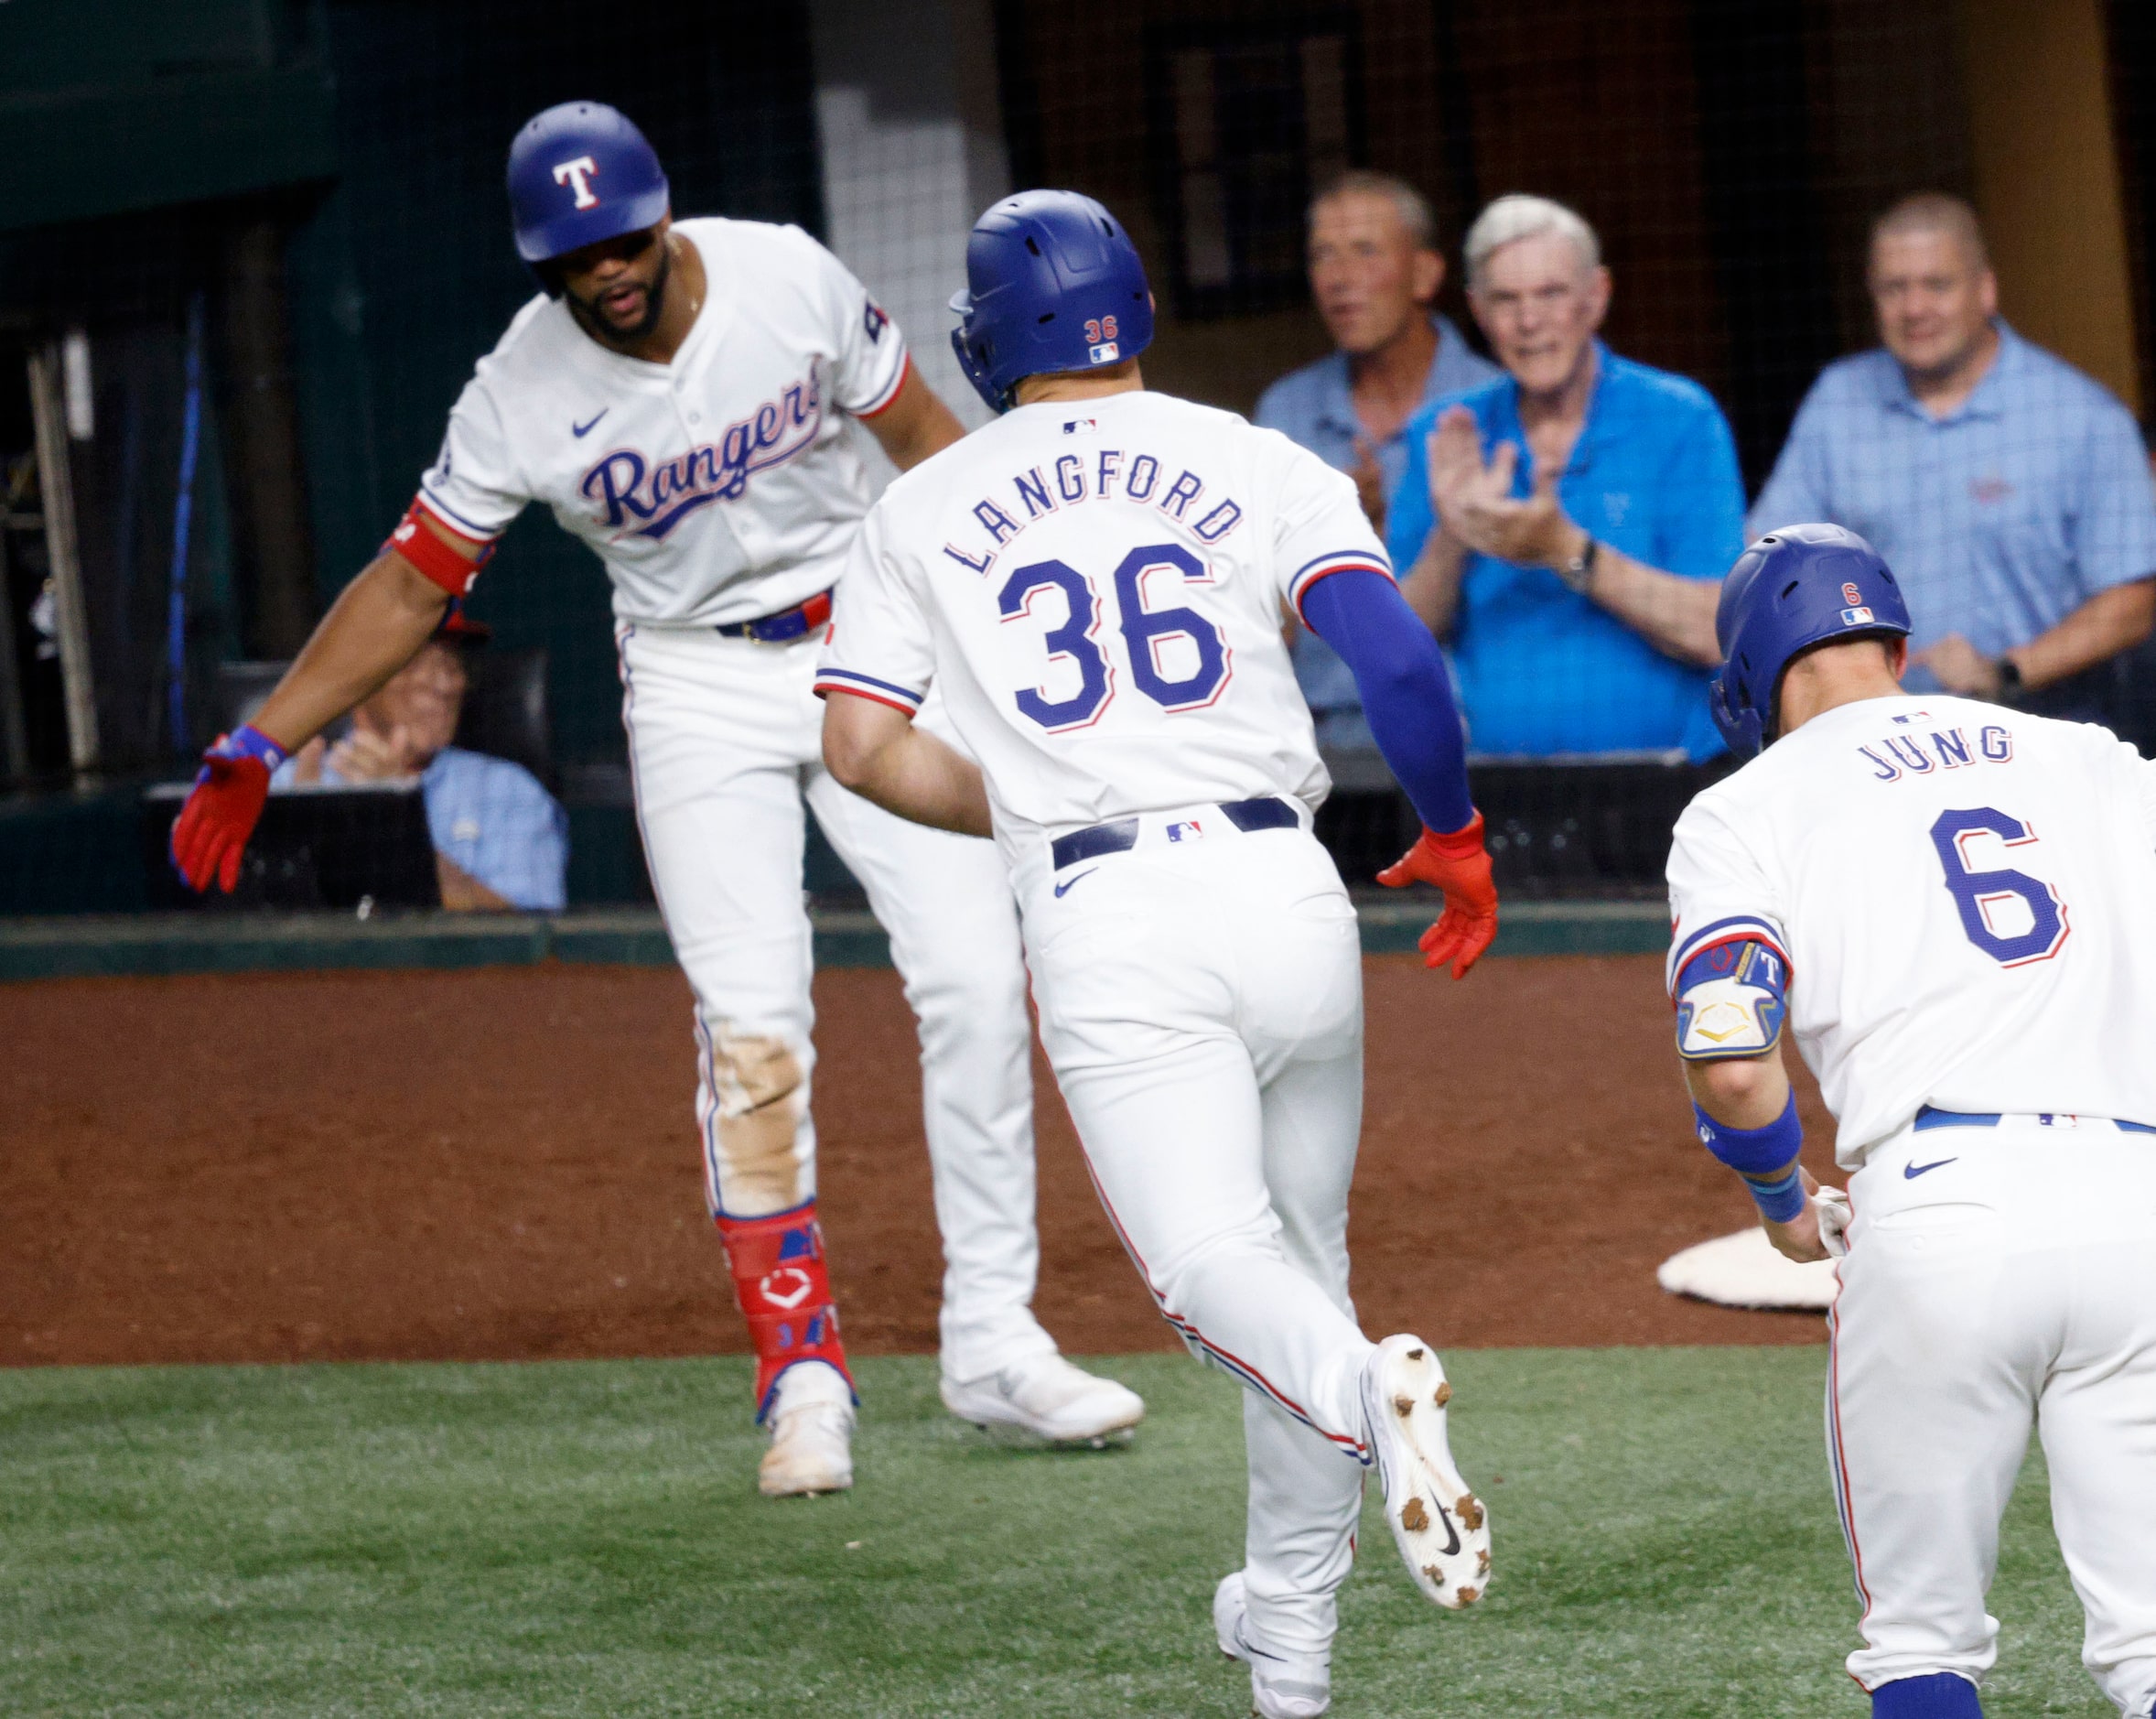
(1068, 881)
(1910, 1171)
(581, 430)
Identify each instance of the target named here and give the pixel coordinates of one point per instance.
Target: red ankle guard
(784, 1292)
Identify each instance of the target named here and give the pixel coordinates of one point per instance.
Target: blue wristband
(249, 741)
(1780, 1200)
(1754, 1152)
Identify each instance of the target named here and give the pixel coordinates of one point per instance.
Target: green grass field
(584, 1539)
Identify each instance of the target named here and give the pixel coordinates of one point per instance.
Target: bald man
(2008, 492)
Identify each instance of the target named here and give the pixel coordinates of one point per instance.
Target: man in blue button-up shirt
(1567, 526)
(501, 840)
(1375, 268)
(2009, 492)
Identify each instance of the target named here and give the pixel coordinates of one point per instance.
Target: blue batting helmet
(1793, 588)
(578, 173)
(1052, 283)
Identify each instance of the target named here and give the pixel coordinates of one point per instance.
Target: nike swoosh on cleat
(581, 430)
(1068, 881)
(1910, 1171)
(1452, 1533)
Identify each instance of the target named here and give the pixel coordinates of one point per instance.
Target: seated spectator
(1567, 527)
(2008, 492)
(501, 840)
(1375, 268)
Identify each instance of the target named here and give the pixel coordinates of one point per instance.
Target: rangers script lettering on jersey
(1098, 591)
(1961, 890)
(718, 488)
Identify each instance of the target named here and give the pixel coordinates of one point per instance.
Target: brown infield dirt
(501, 1165)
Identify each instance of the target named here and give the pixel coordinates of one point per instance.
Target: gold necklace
(695, 304)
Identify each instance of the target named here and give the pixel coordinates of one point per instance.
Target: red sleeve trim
(890, 399)
(824, 689)
(1304, 581)
(427, 555)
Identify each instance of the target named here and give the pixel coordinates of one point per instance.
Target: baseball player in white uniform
(685, 399)
(1954, 906)
(1095, 584)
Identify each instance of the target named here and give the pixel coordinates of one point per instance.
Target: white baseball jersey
(1966, 898)
(718, 488)
(1097, 587)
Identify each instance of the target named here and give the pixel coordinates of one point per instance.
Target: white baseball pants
(2010, 1280)
(1201, 1003)
(725, 740)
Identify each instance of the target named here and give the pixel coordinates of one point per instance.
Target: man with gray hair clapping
(1566, 527)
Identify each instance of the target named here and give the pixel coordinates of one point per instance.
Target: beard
(591, 317)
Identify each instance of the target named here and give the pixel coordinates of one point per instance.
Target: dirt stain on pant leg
(757, 1084)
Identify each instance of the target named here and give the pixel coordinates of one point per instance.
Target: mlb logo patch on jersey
(1190, 831)
(1082, 426)
(1856, 618)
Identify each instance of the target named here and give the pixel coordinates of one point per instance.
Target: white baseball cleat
(811, 1436)
(1044, 1396)
(1282, 1685)
(1441, 1527)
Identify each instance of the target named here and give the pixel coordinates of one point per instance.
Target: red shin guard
(784, 1291)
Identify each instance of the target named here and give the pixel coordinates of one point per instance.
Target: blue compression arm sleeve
(1407, 694)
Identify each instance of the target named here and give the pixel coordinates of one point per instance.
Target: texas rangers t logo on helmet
(578, 174)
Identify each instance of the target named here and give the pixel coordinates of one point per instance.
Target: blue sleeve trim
(828, 673)
(1734, 929)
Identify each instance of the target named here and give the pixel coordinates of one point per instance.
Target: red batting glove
(209, 835)
(1458, 865)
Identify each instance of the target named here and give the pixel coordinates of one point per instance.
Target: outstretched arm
(372, 630)
(874, 749)
(1407, 699)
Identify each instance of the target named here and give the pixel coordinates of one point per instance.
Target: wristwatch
(2009, 680)
(1578, 572)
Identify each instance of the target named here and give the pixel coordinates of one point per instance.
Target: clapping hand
(364, 755)
(1475, 503)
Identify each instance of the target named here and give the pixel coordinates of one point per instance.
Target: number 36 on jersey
(1176, 655)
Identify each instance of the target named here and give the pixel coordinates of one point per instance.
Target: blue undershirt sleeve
(1407, 694)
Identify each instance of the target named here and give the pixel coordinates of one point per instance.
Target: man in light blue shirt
(2009, 492)
(1375, 268)
(501, 840)
(1567, 527)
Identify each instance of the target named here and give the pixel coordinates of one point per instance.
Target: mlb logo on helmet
(1858, 617)
(1106, 352)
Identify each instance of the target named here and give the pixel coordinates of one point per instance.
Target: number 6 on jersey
(1980, 895)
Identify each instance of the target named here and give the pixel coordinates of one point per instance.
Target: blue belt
(1266, 812)
(1931, 1116)
(796, 623)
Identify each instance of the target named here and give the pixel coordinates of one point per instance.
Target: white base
(1744, 1270)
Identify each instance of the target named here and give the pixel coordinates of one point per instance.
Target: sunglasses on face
(624, 249)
